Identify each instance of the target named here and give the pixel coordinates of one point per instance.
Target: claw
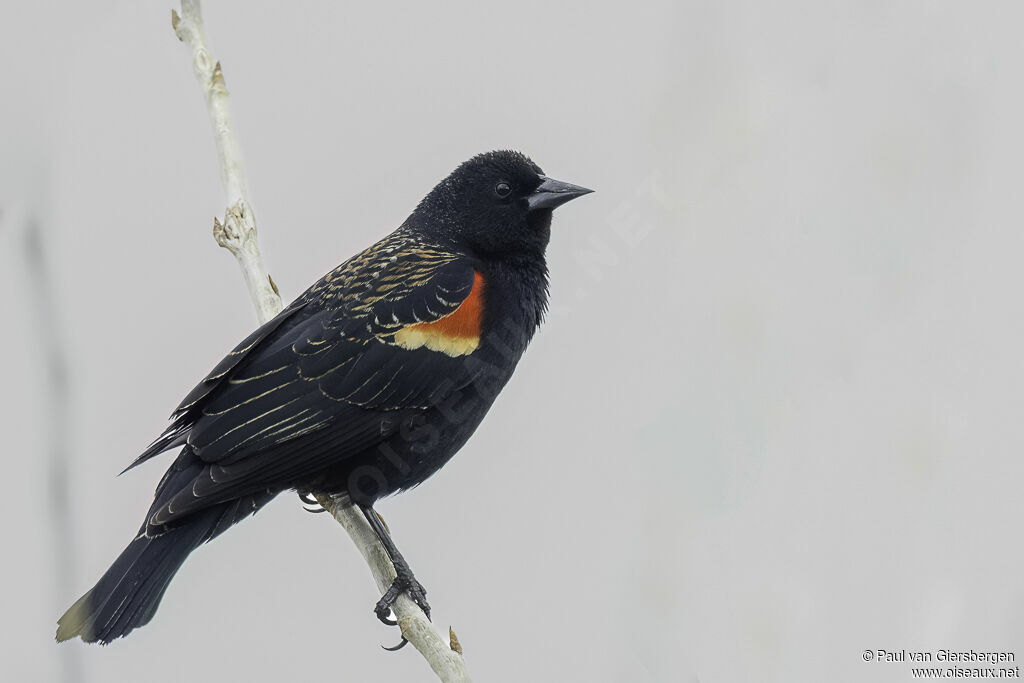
(308, 499)
(398, 647)
(418, 595)
(425, 606)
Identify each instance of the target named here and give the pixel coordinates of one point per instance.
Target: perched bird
(364, 386)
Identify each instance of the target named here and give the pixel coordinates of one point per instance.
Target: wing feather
(325, 380)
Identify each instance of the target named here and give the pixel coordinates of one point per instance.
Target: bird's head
(496, 204)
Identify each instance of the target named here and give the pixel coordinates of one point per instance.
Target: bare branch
(237, 233)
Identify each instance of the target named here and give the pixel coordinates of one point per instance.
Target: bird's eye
(503, 189)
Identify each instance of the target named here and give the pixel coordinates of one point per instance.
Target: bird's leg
(404, 578)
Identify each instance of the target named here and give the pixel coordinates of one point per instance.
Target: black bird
(364, 386)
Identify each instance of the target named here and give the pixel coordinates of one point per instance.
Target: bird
(364, 386)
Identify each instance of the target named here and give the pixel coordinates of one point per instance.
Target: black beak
(553, 193)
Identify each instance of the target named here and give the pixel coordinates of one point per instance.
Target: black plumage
(363, 386)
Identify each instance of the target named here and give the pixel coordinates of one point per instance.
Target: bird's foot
(404, 582)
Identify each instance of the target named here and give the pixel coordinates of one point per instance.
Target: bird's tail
(128, 594)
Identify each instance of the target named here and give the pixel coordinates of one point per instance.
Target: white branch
(237, 234)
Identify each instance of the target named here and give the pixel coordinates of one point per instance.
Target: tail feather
(128, 594)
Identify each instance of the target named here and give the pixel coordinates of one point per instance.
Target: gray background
(772, 421)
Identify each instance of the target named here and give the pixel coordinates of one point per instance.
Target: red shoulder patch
(456, 334)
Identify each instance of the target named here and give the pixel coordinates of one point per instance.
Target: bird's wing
(394, 346)
(334, 380)
(182, 417)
